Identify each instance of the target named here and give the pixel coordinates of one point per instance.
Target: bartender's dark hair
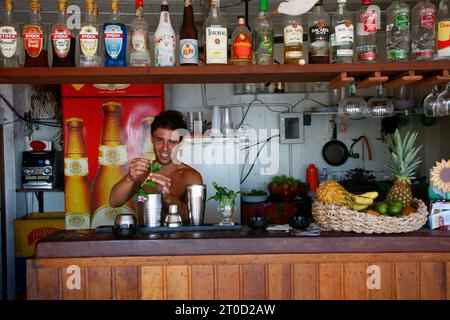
(170, 119)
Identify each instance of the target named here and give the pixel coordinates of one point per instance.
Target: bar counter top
(88, 243)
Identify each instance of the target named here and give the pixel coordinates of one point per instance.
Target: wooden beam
(372, 81)
(403, 80)
(437, 79)
(341, 81)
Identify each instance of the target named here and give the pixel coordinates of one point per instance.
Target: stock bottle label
(116, 156)
(138, 43)
(76, 167)
(105, 215)
(8, 41)
(216, 45)
(165, 50)
(427, 18)
(89, 41)
(242, 48)
(188, 51)
(113, 40)
(444, 38)
(61, 41)
(33, 37)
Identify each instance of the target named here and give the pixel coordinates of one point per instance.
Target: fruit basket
(339, 218)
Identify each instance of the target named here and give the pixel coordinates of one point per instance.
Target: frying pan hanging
(335, 152)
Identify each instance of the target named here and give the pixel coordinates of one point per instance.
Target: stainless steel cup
(196, 201)
(151, 210)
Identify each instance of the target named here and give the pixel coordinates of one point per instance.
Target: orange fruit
(373, 212)
(406, 211)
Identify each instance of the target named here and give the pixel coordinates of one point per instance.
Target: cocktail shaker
(150, 210)
(196, 201)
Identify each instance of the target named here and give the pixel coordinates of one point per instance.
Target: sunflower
(440, 175)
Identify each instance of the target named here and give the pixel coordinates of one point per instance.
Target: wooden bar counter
(240, 264)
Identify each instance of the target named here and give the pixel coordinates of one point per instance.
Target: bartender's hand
(138, 169)
(164, 183)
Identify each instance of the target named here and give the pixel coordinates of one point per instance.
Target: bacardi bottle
(139, 50)
(343, 32)
(443, 43)
(89, 39)
(319, 35)
(188, 37)
(164, 39)
(63, 42)
(397, 31)
(293, 40)
(115, 38)
(35, 38)
(10, 40)
(367, 32)
(263, 45)
(423, 16)
(216, 36)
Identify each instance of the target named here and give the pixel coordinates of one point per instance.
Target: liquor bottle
(112, 167)
(35, 38)
(343, 32)
(293, 40)
(263, 45)
(241, 52)
(397, 31)
(164, 39)
(76, 182)
(443, 42)
(423, 30)
(147, 150)
(10, 40)
(188, 37)
(319, 35)
(89, 39)
(115, 38)
(139, 50)
(367, 32)
(215, 36)
(63, 42)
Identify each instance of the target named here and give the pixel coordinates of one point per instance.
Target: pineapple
(403, 162)
(332, 192)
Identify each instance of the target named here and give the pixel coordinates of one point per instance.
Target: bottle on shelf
(35, 38)
(89, 41)
(241, 52)
(115, 38)
(11, 45)
(188, 37)
(319, 35)
(63, 41)
(215, 36)
(76, 177)
(443, 31)
(367, 32)
(164, 39)
(100, 34)
(423, 40)
(139, 49)
(293, 40)
(342, 34)
(263, 45)
(312, 177)
(397, 31)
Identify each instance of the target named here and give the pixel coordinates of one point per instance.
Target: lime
(382, 208)
(394, 209)
(397, 203)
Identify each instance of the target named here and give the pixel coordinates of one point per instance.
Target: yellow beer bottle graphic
(147, 146)
(112, 167)
(76, 180)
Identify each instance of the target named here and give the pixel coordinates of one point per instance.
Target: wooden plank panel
(152, 283)
(381, 288)
(330, 281)
(99, 284)
(279, 281)
(254, 282)
(305, 281)
(202, 282)
(126, 285)
(31, 281)
(432, 282)
(228, 282)
(73, 283)
(355, 281)
(406, 281)
(48, 283)
(177, 282)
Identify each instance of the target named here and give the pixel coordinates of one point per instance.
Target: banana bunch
(363, 201)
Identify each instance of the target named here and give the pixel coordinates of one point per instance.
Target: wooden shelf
(220, 73)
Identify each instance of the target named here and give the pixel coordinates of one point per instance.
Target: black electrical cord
(310, 99)
(256, 158)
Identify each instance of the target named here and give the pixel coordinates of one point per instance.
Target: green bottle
(263, 35)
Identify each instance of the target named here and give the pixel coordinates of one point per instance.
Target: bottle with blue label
(115, 39)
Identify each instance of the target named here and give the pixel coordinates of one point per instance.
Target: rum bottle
(115, 38)
(35, 38)
(423, 16)
(63, 42)
(10, 41)
(367, 32)
(263, 35)
(215, 36)
(164, 39)
(89, 38)
(319, 35)
(293, 40)
(139, 50)
(188, 37)
(342, 34)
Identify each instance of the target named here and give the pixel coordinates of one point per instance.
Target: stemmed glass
(353, 107)
(430, 102)
(443, 102)
(380, 106)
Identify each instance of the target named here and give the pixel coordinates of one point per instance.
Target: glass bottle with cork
(63, 41)
(188, 37)
(35, 38)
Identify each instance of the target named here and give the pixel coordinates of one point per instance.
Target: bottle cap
(173, 208)
(139, 4)
(263, 5)
(241, 20)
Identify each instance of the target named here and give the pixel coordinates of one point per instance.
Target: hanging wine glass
(380, 106)
(353, 107)
(443, 102)
(430, 102)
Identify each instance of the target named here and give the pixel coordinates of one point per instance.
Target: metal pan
(335, 152)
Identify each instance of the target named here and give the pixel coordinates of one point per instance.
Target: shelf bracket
(403, 80)
(372, 81)
(341, 81)
(429, 82)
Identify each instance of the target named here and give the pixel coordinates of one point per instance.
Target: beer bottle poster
(102, 134)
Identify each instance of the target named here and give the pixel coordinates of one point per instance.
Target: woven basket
(342, 219)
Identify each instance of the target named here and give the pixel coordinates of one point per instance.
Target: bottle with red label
(63, 42)
(241, 40)
(367, 32)
(89, 38)
(312, 177)
(10, 41)
(443, 31)
(35, 38)
(423, 41)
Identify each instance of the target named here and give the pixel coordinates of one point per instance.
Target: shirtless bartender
(172, 178)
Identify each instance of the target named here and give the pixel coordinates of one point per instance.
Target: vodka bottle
(215, 36)
(115, 38)
(443, 43)
(367, 32)
(342, 29)
(423, 30)
(319, 35)
(397, 31)
(164, 39)
(89, 38)
(139, 50)
(10, 41)
(35, 38)
(263, 35)
(63, 41)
